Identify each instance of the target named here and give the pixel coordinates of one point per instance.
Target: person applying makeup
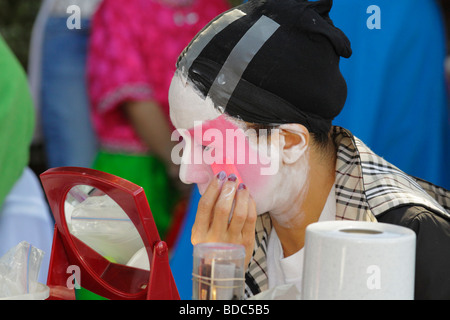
(132, 53)
(268, 71)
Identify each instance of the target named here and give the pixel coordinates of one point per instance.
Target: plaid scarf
(366, 186)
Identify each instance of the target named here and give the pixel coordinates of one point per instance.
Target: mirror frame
(57, 182)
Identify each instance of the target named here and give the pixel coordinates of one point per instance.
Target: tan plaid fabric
(366, 186)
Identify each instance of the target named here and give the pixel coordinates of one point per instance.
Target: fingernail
(232, 177)
(242, 186)
(221, 175)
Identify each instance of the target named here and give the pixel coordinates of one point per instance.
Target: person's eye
(206, 148)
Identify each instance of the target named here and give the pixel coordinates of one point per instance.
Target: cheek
(260, 166)
(263, 188)
(261, 183)
(252, 177)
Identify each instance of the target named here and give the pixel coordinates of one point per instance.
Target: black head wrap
(271, 62)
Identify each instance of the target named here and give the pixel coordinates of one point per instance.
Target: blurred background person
(397, 96)
(57, 76)
(446, 9)
(133, 50)
(24, 214)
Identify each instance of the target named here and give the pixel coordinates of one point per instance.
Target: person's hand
(212, 223)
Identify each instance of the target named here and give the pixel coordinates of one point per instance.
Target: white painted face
(273, 179)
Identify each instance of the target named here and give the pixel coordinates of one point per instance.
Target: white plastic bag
(103, 225)
(19, 270)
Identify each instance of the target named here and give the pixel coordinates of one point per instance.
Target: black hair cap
(294, 77)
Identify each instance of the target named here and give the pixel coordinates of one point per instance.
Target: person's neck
(308, 205)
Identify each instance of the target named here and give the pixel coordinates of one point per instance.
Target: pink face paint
(227, 148)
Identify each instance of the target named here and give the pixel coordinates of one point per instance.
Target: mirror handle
(161, 279)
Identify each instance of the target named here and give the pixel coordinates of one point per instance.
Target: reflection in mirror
(99, 225)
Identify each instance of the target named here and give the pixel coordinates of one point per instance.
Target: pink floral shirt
(134, 47)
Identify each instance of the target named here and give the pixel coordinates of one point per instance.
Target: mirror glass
(107, 239)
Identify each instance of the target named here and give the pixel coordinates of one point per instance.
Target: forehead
(187, 106)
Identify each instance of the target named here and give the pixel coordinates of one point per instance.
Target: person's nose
(192, 167)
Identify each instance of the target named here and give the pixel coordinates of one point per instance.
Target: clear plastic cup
(218, 272)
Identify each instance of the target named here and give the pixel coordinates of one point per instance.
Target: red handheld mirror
(102, 223)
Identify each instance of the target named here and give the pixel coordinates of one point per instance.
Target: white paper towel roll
(355, 260)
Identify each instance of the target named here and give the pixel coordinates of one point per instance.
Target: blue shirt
(397, 101)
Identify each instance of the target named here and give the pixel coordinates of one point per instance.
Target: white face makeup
(270, 191)
(187, 106)
(293, 186)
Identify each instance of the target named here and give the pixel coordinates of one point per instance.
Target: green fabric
(85, 294)
(147, 172)
(16, 120)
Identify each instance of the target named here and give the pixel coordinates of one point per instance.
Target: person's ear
(294, 139)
